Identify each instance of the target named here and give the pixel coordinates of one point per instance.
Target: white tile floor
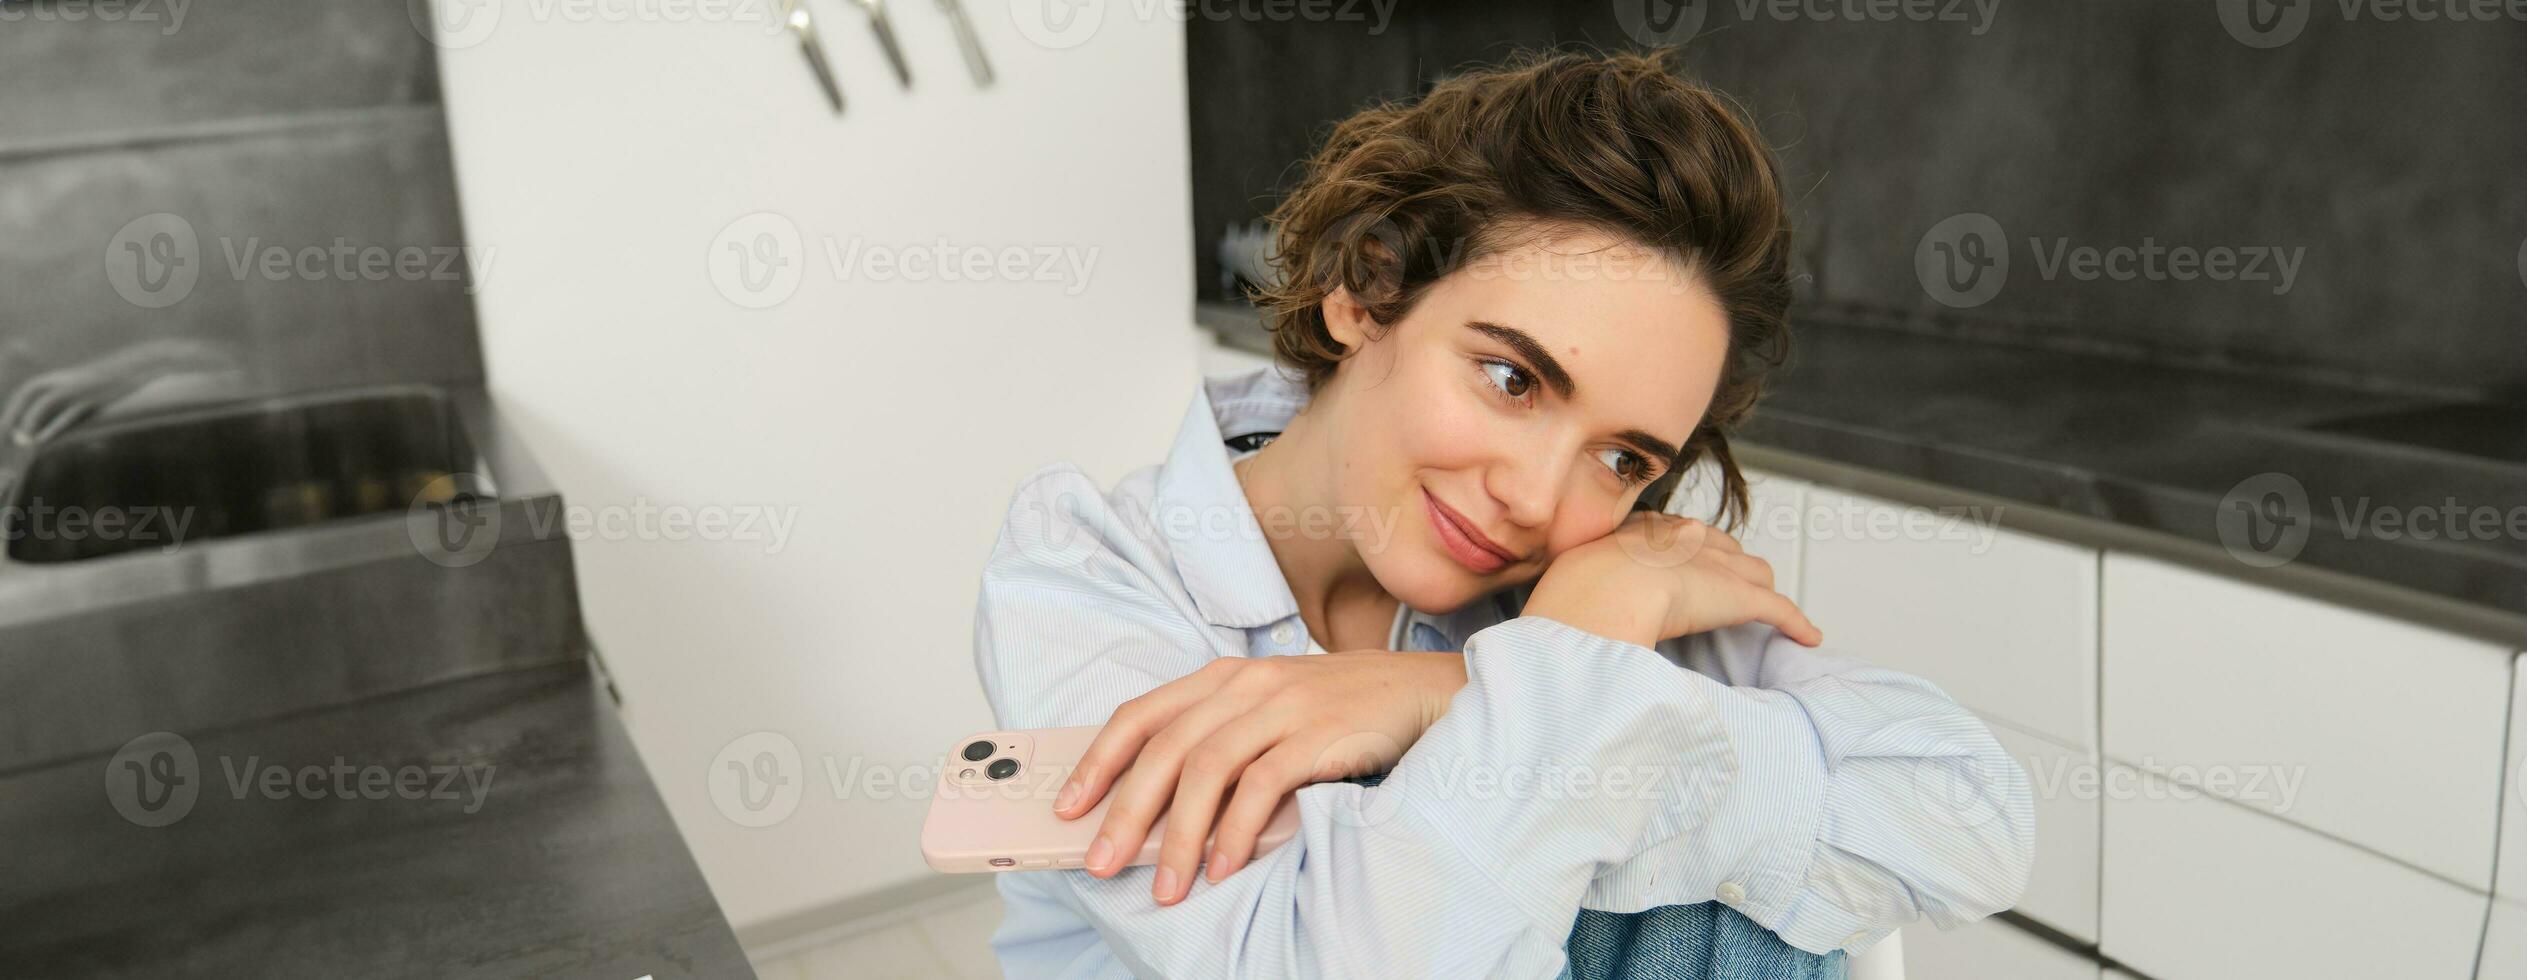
(946, 938)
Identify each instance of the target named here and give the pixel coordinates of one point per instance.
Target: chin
(1433, 584)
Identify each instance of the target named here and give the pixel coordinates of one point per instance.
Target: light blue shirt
(1826, 799)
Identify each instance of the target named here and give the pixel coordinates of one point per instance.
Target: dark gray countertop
(565, 865)
(2153, 448)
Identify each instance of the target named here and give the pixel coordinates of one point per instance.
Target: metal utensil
(803, 24)
(968, 42)
(885, 31)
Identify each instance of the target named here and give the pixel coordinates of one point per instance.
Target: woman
(1510, 315)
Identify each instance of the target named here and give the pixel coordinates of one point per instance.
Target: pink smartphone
(993, 810)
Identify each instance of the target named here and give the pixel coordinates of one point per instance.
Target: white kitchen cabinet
(2197, 888)
(2374, 730)
(2513, 870)
(2504, 942)
(1990, 950)
(2062, 892)
(2006, 623)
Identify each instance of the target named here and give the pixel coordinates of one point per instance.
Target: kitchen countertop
(565, 863)
(2140, 446)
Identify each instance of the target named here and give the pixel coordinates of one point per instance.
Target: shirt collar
(1201, 509)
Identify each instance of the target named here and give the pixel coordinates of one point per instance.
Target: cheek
(1579, 524)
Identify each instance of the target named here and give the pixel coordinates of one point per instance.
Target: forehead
(1641, 335)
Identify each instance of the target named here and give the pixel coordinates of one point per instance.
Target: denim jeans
(1709, 940)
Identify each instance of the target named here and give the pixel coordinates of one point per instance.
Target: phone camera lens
(1003, 769)
(978, 751)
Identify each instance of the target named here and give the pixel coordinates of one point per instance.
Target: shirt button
(1730, 893)
(1281, 634)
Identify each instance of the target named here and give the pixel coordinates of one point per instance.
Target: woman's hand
(1268, 724)
(1659, 576)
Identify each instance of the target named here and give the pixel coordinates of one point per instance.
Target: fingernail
(1165, 889)
(1070, 791)
(1099, 853)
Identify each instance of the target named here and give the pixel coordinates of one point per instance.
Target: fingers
(1210, 768)
(1777, 610)
(1142, 795)
(1131, 726)
(1260, 790)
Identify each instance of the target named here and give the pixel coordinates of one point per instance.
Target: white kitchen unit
(2200, 888)
(1992, 949)
(2004, 622)
(2504, 942)
(2062, 893)
(2376, 731)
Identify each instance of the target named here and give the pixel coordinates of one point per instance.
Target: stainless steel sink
(2482, 430)
(246, 468)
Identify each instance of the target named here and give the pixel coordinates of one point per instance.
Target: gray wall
(255, 124)
(2385, 154)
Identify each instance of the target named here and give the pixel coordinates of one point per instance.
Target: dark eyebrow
(1536, 355)
(1559, 380)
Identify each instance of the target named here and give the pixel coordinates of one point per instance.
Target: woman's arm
(1861, 798)
(1471, 858)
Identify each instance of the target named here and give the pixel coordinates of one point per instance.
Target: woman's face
(1517, 411)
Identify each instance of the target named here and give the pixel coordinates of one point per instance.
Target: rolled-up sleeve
(1829, 800)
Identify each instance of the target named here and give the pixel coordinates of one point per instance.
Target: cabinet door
(1993, 949)
(2062, 892)
(2374, 730)
(2005, 623)
(2513, 871)
(2198, 888)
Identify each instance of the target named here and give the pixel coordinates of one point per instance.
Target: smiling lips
(1465, 544)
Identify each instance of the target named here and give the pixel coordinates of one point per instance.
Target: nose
(1528, 480)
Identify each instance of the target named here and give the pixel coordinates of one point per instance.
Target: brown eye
(1627, 465)
(1509, 378)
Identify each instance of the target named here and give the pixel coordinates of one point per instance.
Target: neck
(1291, 475)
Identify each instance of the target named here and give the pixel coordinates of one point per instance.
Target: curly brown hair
(1402, 194)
